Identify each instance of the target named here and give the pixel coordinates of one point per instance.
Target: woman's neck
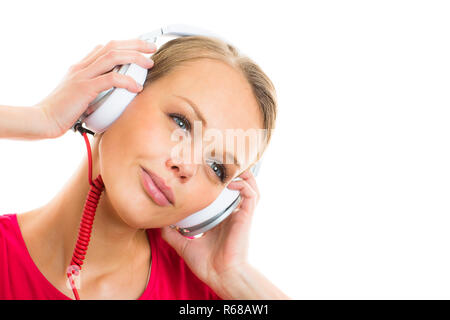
(113, 245)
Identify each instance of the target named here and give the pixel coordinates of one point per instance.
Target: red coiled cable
(87, 219)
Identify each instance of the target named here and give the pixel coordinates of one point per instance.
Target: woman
(133, 254)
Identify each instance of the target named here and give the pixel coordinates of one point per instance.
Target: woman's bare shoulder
(26, 220)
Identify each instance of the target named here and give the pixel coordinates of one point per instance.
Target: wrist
(244, 282)
(23, 123)
(46, 127)
(233, 282)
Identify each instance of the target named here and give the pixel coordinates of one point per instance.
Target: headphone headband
(180, 30)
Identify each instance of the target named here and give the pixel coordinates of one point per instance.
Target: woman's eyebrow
(194, 108)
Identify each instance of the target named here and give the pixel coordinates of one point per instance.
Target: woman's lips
(156, 188)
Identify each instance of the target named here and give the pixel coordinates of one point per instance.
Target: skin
(119, 259)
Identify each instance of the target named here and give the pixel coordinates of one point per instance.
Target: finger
(244, 188)
(249, 196)
(133, 44)
(248, 176)
(113, 79)
(174, 239)
(114, 58)
(90, 54)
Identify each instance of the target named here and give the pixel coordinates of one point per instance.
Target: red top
(170, 277)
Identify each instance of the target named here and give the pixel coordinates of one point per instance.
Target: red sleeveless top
(170, 277)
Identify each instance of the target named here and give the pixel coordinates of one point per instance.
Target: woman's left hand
(223, 249)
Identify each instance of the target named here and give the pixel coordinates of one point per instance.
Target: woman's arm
(247, 283)
(23, 123)
(54, 115)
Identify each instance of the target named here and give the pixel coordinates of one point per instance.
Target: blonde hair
(176, 51)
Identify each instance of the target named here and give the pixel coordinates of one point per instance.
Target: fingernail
(140, 87)
(151, 45)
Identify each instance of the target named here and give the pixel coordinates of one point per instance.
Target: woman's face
(142, 137)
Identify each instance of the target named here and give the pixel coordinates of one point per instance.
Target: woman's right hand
(87, 78)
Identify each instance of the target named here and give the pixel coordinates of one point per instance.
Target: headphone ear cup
(210, 216)
(110, 104)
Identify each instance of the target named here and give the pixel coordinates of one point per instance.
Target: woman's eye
(181, 121)
(220, 170)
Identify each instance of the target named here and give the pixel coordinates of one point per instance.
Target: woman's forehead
(217, 91)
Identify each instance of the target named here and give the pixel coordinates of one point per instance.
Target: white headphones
(110, 104)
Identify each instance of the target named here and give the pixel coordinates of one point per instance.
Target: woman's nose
(182, 169)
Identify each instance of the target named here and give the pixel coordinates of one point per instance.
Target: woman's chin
(140, 212)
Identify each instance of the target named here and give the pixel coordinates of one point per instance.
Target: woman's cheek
(205, 195)
(153, 138)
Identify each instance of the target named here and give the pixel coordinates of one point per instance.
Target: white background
(355, 183)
